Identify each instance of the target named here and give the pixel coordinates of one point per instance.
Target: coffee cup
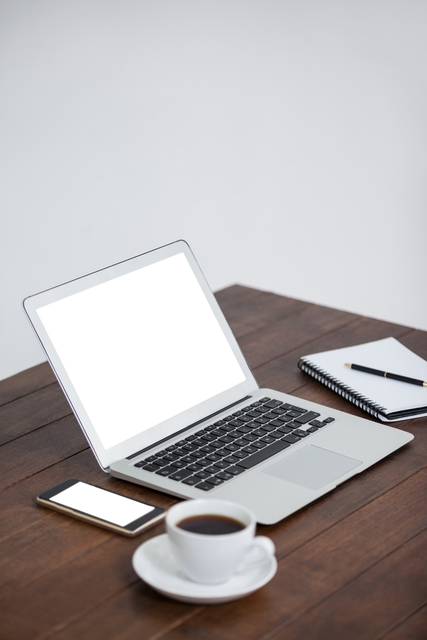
(214, 539)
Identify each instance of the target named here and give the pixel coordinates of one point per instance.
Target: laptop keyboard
(220, 452)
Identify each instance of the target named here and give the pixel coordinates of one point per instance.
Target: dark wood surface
(352, 565)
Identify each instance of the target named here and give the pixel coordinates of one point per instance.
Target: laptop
(166, 399)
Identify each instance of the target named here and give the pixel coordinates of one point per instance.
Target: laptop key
(202, 474)
(241, 454)
(166, 471)
(268, 427)
(181, 452)
(291, 438)
(235, 471)
(171, 457)
(292, 407)
(159, 463)
(178, 464)
(252, 425)
(213, 457)
(207, 449)
(217, 444)
(279, 410)
(236, 422)
(224, 475)
(260, 432)
(244, 429)
(273, 404)
(254, 413)
(235, 435)
(230, 447)
(214, 480)
(204, 486)
(249, 437)
(284, 418)
(221, 464)
(194, 467)
(189, 459)
(191, 481)
(270, 415)
(151, 467)
(208, 437)
(276, 434)
(189, 447)
(276, 423)
(262, 455)
(306, 417)
(231, 459)
(219, 432)
(301, 433)
(181, 475)
(284, 429)
(204, 462)
(197, 454)
(249, 449)
(212, 470)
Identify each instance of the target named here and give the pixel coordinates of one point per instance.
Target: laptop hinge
(212, 415)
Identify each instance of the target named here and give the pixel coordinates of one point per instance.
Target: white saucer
(154, 563)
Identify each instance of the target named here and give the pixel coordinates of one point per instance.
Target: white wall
(286, 140)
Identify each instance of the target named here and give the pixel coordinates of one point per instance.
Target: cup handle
(260, 550)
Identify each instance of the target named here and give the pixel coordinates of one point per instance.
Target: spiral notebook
(386, 399)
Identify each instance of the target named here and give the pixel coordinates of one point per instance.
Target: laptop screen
(140, 349)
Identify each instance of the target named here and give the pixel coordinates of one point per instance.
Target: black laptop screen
(141, 348)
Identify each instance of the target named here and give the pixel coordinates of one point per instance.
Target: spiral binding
(343, 390)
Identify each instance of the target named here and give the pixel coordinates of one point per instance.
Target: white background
(285, 140)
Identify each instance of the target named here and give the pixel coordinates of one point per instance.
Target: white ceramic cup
(212, 559)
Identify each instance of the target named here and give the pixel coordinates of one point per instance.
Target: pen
(386, 374)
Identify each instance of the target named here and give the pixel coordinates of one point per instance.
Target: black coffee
(211, 525)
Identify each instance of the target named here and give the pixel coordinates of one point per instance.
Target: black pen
(386, 374)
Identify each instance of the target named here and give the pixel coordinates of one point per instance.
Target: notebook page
(387, 355)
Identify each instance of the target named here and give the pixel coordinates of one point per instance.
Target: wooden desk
(352, 565)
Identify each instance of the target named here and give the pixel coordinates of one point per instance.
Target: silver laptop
(166, 399)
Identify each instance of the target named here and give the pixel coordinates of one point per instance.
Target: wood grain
(31, 412)
(351, 565)
(321, 568)
(26, 382)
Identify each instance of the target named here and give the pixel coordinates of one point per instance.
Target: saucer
(154, 563)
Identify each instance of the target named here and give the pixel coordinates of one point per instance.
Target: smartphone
(98, 506)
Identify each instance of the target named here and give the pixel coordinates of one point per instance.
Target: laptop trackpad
(313, 467)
